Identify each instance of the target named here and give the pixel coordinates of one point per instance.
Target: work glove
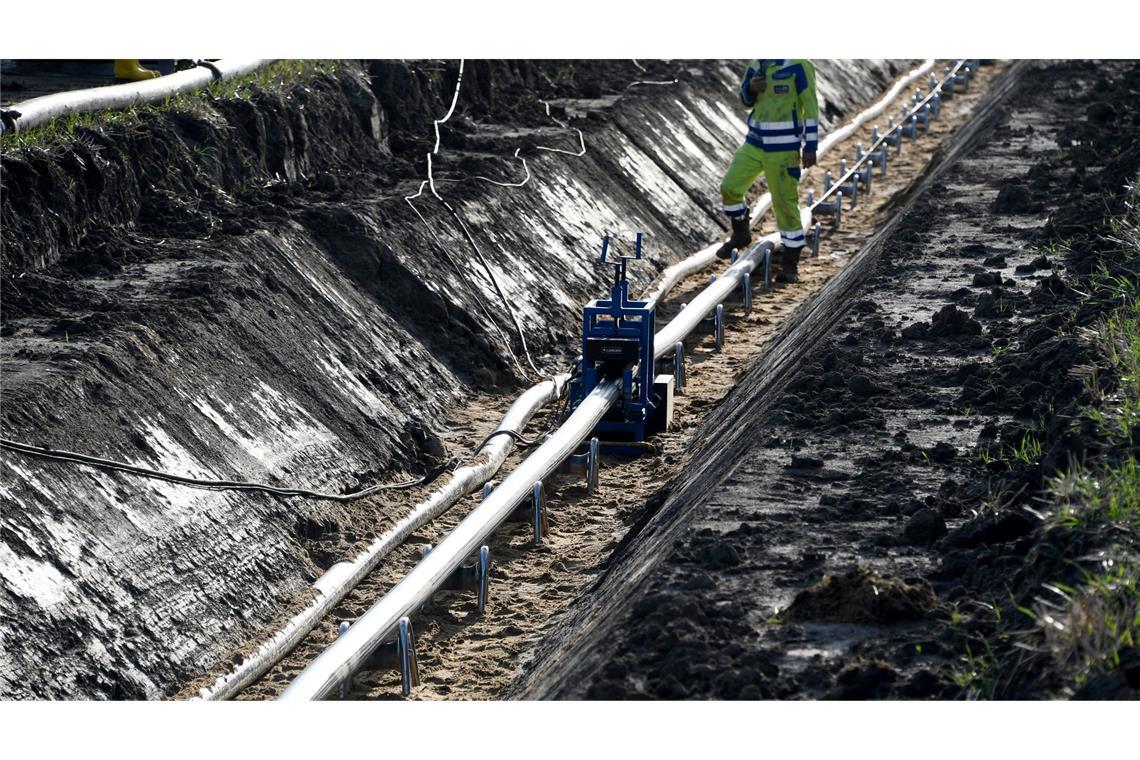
(808, 160)
(758, 84)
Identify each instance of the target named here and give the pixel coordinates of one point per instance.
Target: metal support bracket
(678, 366)
(878, 156)
(533, 512)
(864, 175)
(893, 136)
(398, 654)
(833, 207)
(851, 185)
(472, 577)
(482, 578)
(538, 504)
(593, 464)
(910, 128)
(718, 325)
(922, 118)
(340, 631)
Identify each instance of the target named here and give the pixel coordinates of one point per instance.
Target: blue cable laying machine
(617, 342)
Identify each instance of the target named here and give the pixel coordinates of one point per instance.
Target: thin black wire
(212, 485)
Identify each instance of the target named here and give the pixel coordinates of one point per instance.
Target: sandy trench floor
(465, 656)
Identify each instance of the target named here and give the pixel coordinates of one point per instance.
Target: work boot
(790, 271)
(130, 70)
(741, 236)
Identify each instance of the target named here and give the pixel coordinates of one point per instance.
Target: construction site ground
(465, 656)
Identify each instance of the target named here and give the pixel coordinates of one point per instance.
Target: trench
(842, 532)
(536, 590)
(224, 291)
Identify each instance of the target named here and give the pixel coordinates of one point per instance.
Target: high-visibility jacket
(786, 114)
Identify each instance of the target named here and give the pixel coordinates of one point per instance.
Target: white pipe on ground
(337, 663)
(39, 111)
(342, 577)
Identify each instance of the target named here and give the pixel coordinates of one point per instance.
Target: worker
(783, 117)
(130, 70)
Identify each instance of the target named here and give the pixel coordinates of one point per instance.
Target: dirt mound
(1015, 199)
(860, 596)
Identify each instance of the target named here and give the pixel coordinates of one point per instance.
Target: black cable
(523, 442)
(214, 70)
(211, 485)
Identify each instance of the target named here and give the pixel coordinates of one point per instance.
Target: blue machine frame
(617, 339)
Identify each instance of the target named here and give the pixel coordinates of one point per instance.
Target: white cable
(450, 111)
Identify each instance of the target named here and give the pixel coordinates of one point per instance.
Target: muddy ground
(463, 656)
(863, 529)
(238, 288)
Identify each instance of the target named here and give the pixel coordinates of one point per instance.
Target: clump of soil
(1014, 199)
(862, 597)
(949, 321)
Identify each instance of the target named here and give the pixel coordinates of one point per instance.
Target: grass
(271, 76)
(1087, 625)
(978, 675)
(1027, 450)
(1083, 622)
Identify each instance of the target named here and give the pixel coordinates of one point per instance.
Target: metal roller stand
(963, 79)
(718, 325)
(864, 175)
(833, 207)
(892, 138)
(539, 503)
(399, 653)
(340, 631)
(593, 464)
(471, 577)
(406, 651)
(936, 105)
(878, 156)
(426, 550)
(488, 487)
(922, 118)
(746, 292)
(947, 88)
(815, 233)
(850, 185)
(768, 271)
(678, 367)
(482, 578)
(910, 129)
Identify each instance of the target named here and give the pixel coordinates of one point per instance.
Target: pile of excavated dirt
(260, 287)
(912, 439)
(862, 597)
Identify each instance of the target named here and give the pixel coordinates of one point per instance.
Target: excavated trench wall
(238, 288)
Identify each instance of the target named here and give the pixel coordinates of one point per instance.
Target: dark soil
(904, 537)
(239, 289)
